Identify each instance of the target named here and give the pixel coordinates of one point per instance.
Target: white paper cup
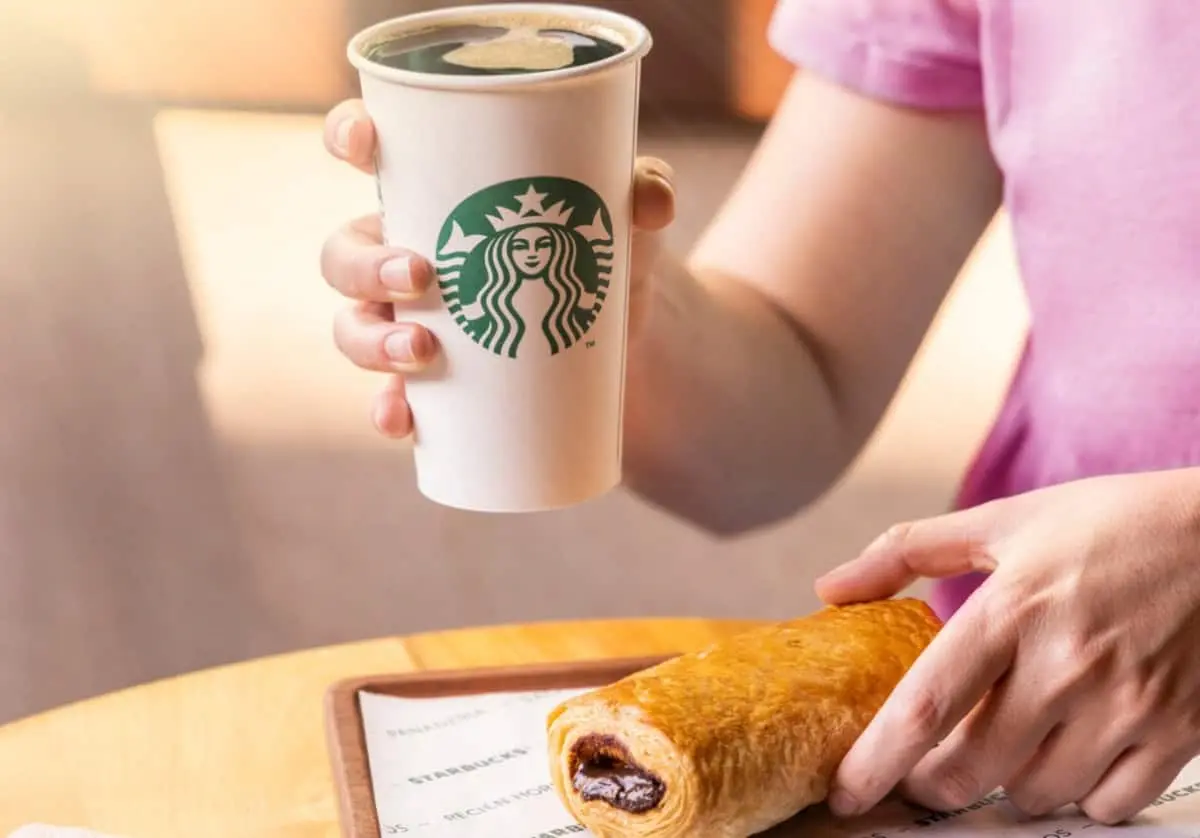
(522, 410)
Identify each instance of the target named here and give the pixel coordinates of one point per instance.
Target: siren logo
(524, 266)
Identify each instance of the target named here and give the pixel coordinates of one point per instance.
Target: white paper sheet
(476, 766)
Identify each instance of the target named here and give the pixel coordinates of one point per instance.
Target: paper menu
(464, 766)
(476, 767)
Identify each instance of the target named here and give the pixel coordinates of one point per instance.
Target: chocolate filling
(603, 770)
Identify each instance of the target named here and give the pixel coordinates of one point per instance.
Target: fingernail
(828, 576)
(844, 804)
(379, 416)
(661, 169)
(666, 183)
(341, 136)
(408, 349)
(397, 276)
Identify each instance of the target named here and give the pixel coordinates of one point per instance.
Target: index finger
(350, 135)
(950, 677)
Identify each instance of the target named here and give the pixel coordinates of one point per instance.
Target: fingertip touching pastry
(732, 740)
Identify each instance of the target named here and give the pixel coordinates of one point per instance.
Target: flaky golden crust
(748, 732)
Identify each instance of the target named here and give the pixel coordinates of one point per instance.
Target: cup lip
(640, 43)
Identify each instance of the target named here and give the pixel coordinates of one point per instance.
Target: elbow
(746, 513)
(720, 525)
(733, 508)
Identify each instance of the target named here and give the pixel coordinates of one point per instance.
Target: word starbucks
(474, 765)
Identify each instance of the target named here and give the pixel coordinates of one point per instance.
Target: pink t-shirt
(1093, 110)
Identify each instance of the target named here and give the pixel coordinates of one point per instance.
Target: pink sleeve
(920, 53)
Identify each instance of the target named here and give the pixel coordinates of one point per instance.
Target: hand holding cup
(506, 271)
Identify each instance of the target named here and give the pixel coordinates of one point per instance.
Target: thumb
(947, 545)
(653, 194)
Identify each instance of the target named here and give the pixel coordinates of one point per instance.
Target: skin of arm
(768, 356)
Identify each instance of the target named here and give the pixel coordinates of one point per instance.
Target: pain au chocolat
(732, 740)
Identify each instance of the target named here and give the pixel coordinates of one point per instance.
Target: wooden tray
(347, 741)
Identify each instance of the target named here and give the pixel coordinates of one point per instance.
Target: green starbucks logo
(522, 254)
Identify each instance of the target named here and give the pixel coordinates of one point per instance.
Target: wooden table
(240, 750)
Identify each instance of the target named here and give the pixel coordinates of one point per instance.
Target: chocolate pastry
(732, 740)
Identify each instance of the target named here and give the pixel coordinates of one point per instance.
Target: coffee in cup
(496, 46)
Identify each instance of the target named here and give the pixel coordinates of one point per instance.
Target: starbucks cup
(518, 188)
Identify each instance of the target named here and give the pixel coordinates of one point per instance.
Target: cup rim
(639, 43)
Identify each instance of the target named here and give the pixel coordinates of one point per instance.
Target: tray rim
(346, 741)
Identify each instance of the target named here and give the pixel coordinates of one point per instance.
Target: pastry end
(602, 769)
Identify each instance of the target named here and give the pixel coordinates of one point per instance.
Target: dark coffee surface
(492, 49)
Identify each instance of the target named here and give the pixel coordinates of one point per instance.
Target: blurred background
(188, 473)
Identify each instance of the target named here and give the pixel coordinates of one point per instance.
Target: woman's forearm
(767, 359)
(728, 420)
